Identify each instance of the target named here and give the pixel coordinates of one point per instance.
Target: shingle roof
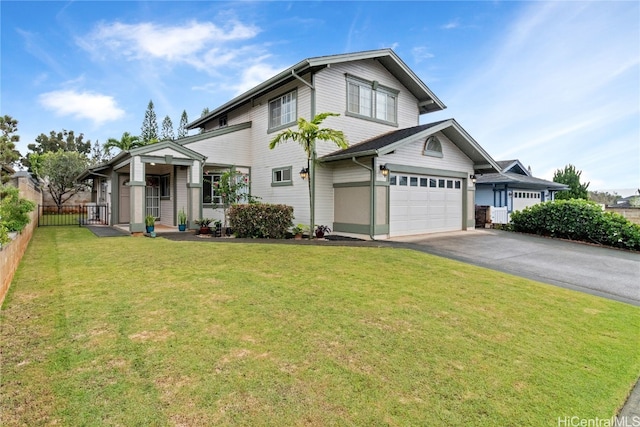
(378, 142)
(519, 179)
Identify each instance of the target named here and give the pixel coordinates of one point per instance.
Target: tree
(306, 136)
(604, 197)
(99, 154)
(149, 125)
(571, 177)
(182, 128)
(59, 171)
(8, 139)
(205, 111)
(167, 129)
(56, 141)
(126, 142)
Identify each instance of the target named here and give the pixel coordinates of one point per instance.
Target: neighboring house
(514, 188)
(398, 177)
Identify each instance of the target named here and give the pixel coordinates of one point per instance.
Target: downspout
(372, 212)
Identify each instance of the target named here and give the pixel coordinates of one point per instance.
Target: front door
(123, 210)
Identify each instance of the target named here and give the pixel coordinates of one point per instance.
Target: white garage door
(424, 204)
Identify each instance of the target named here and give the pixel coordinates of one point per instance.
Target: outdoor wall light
(384, 170)
(304, 173)
(473, 178)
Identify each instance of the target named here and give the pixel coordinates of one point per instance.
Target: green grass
(138, 331)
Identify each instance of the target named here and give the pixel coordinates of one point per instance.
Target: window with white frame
(210, 193)
(371, 100)
(282, 110)
(281, 176)
(432, 147)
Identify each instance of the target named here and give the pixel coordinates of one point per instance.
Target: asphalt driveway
(609, 273)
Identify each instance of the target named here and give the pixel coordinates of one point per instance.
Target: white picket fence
(499, 215)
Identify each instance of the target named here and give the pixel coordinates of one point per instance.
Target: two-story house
(397, 177)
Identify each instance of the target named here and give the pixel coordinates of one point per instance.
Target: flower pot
(298, 236)
(319, 234)
(150, 228)
(182, 227)
(205, 230)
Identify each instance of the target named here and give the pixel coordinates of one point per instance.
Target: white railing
(499, 215)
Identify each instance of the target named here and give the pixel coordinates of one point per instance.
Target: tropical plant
(182, 217)
(14, 209)
(306, 135)
(149, 220)
(232, 188)
(321, 230)
(299, 229)
(126, 142)
(204, 222)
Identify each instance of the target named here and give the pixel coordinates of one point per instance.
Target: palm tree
(306, 136)
(126, 143)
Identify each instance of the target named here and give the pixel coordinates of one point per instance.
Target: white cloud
(82, 105)
(420, 53)
(146, 41)
(451, 24)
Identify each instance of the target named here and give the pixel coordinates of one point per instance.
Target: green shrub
(14, 209)
(578, 219)
(4, 235)
(261, 220)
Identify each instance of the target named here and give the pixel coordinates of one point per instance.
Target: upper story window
(282, 110)
(432, 147)
(370, 100)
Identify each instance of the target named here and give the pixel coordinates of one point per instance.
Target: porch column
(194, 193)
(137, 197)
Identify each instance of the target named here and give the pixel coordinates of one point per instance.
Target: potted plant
(150, 222)
(204, 225)
(217, 226)
(297, 231)
(321, 230)
(182, 220)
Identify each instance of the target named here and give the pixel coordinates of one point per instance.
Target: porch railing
(75, 215)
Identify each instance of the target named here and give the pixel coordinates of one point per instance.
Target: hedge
(578, 219)
(261, 220)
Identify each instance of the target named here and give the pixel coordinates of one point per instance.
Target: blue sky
(548, 83)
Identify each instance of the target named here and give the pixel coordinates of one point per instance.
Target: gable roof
(427, 100)
(514, 166)
(389, 142)
(519, 180)
(125, 156)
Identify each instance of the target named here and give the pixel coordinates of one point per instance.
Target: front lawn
(138, 331)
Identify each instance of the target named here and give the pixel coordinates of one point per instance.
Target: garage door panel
(425, 209)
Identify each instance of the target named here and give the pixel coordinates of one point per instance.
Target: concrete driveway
(609, 273)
